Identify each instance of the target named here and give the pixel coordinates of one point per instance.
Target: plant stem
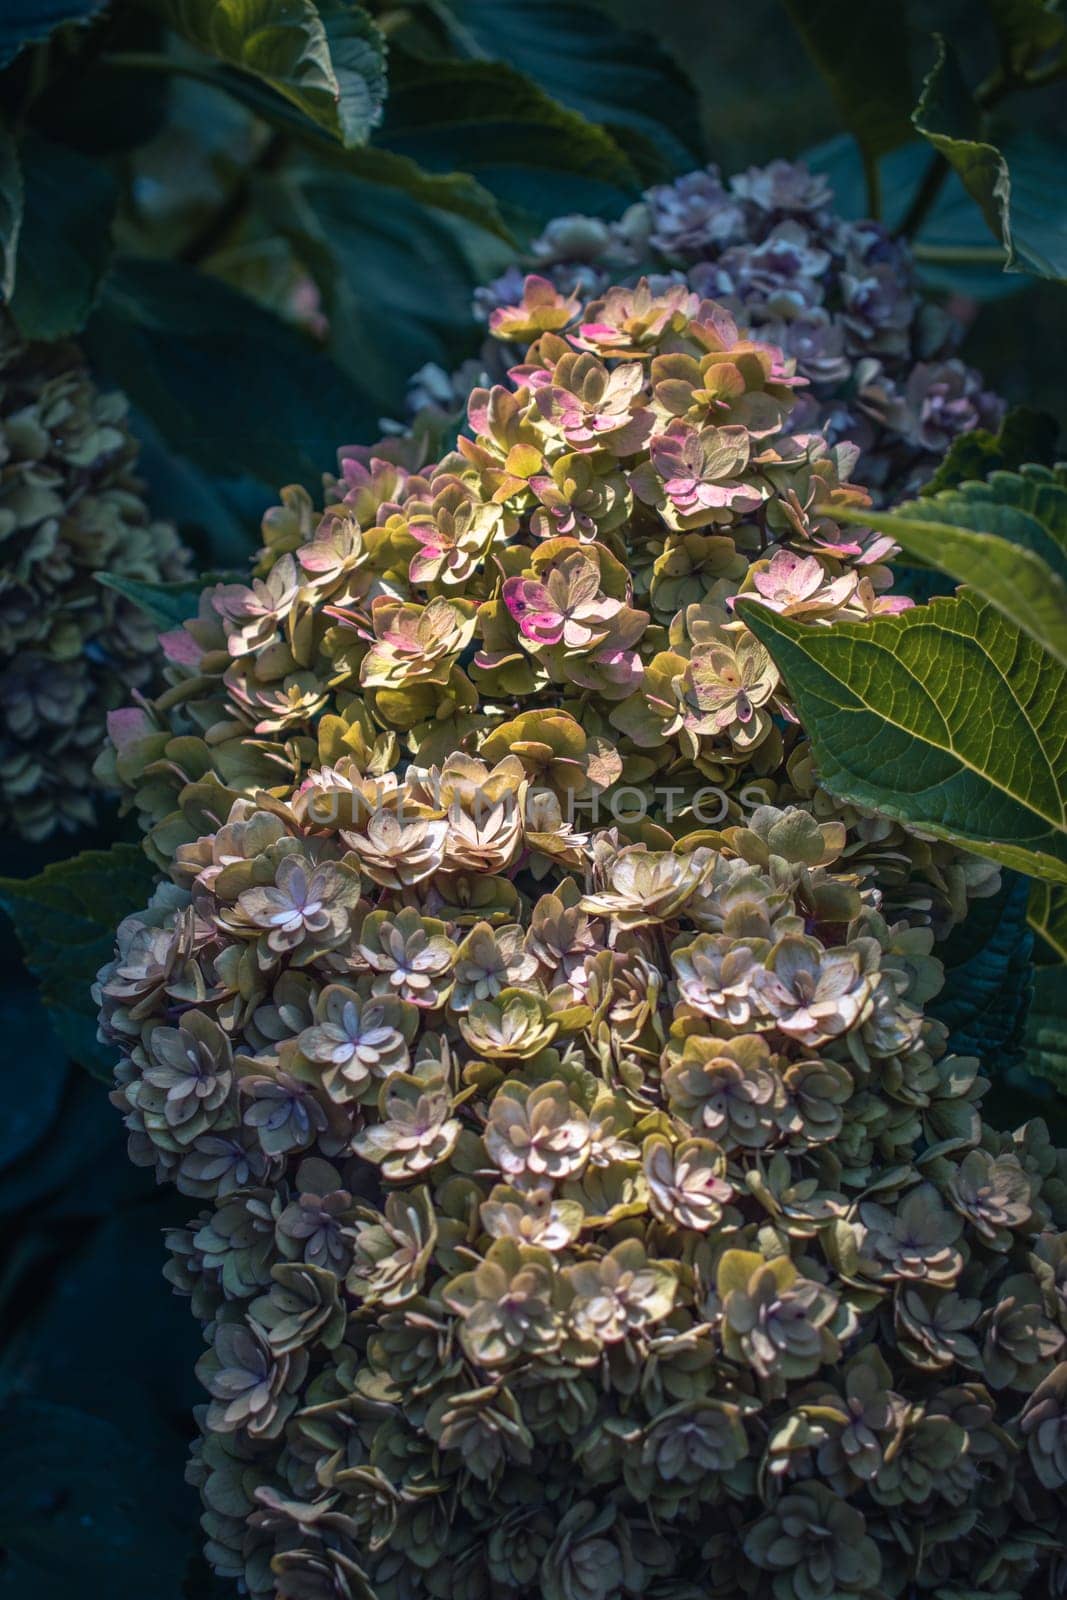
(1041, 77)
(873, 179)
(216, 229)
(963, 255)
(148, 61)
(925, 197)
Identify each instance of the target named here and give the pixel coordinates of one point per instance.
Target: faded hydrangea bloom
(70, 648)
(586, 1209)
(838, 297)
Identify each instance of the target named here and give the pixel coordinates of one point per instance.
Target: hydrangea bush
(588, 1208)
(70, 649)
(837, 296)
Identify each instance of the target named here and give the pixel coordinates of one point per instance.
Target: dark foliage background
(175, 226)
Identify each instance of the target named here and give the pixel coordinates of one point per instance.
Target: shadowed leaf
(64, 246)
(1017, 184)
(1047, 912)
(66, 919)
(26, 22)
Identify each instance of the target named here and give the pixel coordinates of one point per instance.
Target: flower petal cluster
(836, 296)
(70, 649)
(559, 588)
(648, 1169)
(586, 1206)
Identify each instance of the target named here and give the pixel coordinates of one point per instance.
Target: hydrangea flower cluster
(838, 297)
(588, 1209)
(69, 649)
(560, 585)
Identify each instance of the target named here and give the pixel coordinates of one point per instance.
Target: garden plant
(533, 755)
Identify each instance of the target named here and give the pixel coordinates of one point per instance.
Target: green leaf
(169, 604)
(1025, 437)
(35, 1066)
(988, 976)
(1045, 1041)
(1036, 225)
(218, 518)
(862, 52)
(1018, 185)
(1018, 1096)
(1026, 30)
(75, 1517)
(142, 1386)
(1030, 505)
(11, 198)
(76, 1145)
(587, 61)
(1047, 915)
(328, 60)
(226, 383)
(487, 119)
(396, 279)
(66, 919)
(954, 223)
(456, 193)
(65, 243)
(358, 53)
(944, 716)
(981, 535)
(29, 21)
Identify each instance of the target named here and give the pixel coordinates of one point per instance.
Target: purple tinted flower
(691, 214)
(782, 274)
(567, 608)
(702, 469)
(944, 399)
(783, 186)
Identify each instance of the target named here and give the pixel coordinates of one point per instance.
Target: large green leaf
(10, 211)
(357, 55)
(77, 1513)
(1026, 30)
(586, 61)
(1018, 184)
(862, 52)
(218, 517)
(953, 225)
(943, 716)
(34, 1065)
(225, 382)
(66, 919)
(327, 59)
(24, 22)
(487, 119)
(454, 192)
(988, 976)
(396, 278)
(1033, 214)
(983, 535)
(169, 604)
(1045, 1041)
(1047, 913)
(65, 242)
(78, 1166)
